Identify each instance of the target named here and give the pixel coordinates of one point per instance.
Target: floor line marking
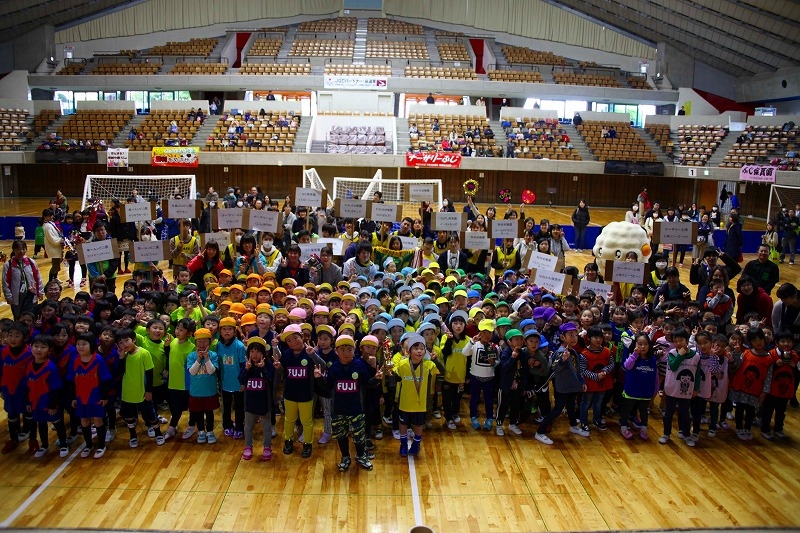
(21, 509)
(412, 471)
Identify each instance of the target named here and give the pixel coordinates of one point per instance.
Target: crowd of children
(381, 350)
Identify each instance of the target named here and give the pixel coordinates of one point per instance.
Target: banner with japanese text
(117, 158)
(433, 159)
(757, 173)
(175, 156)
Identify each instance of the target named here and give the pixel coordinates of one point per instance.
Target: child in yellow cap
(203, 398)
(347, 380)
(256, 378)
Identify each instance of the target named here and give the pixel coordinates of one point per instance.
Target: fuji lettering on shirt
(295, 372)
(255, 384)
(347, 386)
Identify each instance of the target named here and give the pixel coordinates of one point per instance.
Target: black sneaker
(306, 450)
(344, 464)
(585, 427)
(601, 425)
(369, 445)
(370, 455)
(364, 462)
(288, 447)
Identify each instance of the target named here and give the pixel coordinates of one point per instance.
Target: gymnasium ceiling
(17, 17)
(740, 37)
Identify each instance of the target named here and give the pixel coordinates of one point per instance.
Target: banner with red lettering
(433, 159)
(757, 173)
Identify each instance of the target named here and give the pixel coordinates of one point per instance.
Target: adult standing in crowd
(580, 220)
(53, 243)
(764, 272)
(22, 282)
(733, 238)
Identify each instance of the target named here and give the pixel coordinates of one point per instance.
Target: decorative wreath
(505, 196)
(528, 197)
(471, 187)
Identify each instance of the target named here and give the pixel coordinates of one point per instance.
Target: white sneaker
(579, 431)
(189, 432)
(63, 452)
(151, 433)
(514, 429)
(396, 434)
(171, 432)
(451, 425)
(544, 439)
(437, 415)
(110, 434)
(500, 431)
(457, 419)
(162, 420)
(41, 452)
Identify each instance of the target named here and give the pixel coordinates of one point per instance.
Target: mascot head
(619, 238)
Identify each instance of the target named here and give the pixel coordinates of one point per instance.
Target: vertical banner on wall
(117, 158)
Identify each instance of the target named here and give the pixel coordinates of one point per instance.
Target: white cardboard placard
(96, 251)
(386, 212)
(409, 243)
(337, 245)
(181, 208)
(309, 249)
(477, 240)
(222, 238)
(598, 288)
(351, 208)
(420, 192)
(138, 212)
(627, 272)
(228, 218)
(552, 281)
(449, 221)
(308, 197)
(540, 261)
(261, 220)
(150, 251)
(506, 229)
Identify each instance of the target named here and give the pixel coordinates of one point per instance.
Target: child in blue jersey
(326, 352)
(641, 383)
(297, 365)
(90, 380)
(15, 357)
(62, 354)
(256, 378)
(203, 391)
(348, 380)
(44, 388)
(232, 356)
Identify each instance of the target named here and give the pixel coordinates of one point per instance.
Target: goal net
(311, 180)
(782, 195)
(409, 193)
(157, 188)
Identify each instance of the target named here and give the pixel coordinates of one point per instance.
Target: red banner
(433, 159)
(175, 156)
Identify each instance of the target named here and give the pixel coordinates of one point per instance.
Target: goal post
(108, 187)
(392, 190)
(779, 195)
(312, 180)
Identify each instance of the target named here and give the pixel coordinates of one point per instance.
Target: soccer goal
(407, 192)
(311, 180)
(109, 187)
(782, 195)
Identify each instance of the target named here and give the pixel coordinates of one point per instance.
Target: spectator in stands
(488, 133)
(510, 148)
(577, 120)
(192, 113)
(435, 126)
(446, 147)
(604, 132)
(413, 132)
(430, 99)
(681, 111)
(476, 132)
(506, 125)
(612, 133)
(212, 196)
(270, 97)
(132, 135)
(200, 116)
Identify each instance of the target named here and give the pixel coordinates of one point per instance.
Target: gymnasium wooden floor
(462, 481)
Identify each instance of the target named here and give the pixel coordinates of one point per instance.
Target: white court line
(21, 509)
(412, 471)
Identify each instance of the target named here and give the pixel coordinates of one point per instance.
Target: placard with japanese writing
(261, 220)
(139, 212)
(675, 232)
(506, 229)
(182, 208)
(149, 251)
(386, 212)
(540, 261)
(448, 221)
(626, 272)
(350, 208)
(309, 197)
(337, 245)
(228, 218)
(95, 251)
(476, 240)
